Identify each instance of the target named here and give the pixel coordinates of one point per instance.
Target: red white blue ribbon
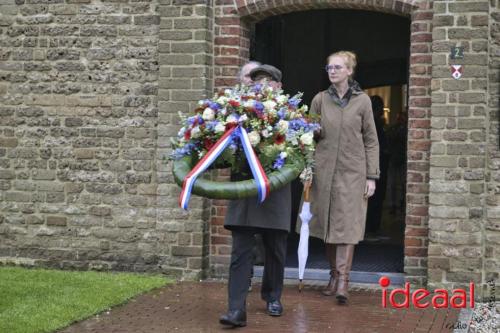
(258, 173)
(263, 186)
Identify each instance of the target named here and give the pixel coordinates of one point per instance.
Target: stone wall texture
(78, 134)
(89, 98)
(492, 223)
(464, 187)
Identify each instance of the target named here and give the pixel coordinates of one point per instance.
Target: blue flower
(257, 87)
(258, 106)
(313, 127)
(211, 125)
(183, 151)
(282, 113)
(213, 105)
(290, 134)
(294, 102)
(200, 120)
(279, 162)
(297, 124)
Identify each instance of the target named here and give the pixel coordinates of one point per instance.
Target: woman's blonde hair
(349, 59)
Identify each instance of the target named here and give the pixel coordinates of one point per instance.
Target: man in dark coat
(271, 219)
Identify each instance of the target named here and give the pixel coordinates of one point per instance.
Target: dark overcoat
(274, 213)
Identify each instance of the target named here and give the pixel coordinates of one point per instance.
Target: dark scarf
(354, 89)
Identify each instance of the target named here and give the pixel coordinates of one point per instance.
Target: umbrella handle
(307, 187)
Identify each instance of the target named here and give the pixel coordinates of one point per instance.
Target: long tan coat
(346, 156)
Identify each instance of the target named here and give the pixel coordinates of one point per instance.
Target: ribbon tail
(201, 166)
(263, 185)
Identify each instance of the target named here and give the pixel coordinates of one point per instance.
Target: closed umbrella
(303, 250)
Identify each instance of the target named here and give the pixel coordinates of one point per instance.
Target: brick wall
(417, 188)
(492, 223)
(186, 76)
(461, 129)
(78, 117)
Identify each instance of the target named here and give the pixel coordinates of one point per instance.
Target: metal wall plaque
(457, 52)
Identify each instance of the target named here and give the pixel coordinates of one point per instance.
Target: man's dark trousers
(275, 243)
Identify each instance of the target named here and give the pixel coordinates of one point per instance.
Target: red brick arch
(233, 19)
(260, 9)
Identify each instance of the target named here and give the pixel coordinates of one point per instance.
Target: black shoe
(235, 318)
(274, 308)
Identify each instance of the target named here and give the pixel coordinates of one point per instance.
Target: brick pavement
(195, 307)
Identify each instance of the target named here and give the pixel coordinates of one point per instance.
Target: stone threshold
(318, 275)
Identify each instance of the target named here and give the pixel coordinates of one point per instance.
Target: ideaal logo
(439, 298)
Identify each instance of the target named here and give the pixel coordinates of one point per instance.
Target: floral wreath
(251, 129)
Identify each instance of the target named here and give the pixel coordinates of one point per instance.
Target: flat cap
(272, 71)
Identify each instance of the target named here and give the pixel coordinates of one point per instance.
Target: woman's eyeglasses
(330, 68)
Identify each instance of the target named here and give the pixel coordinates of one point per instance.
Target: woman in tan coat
(346, 166)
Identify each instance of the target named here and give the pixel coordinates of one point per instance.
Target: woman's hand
(369, 188)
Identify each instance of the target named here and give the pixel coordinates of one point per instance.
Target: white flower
(249, 104)
(269, 105)
(222, 100)
(283, 155)
(231, 119)
(266, 133)
(208, 114)
(195, 132)
(228, 92)
(243, 118)
(283, 126)
(281, 99)
(223, 111)
(219, 128)
(181, 132)
(307, 138)
(254, 138)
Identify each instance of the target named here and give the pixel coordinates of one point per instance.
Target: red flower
(234, 103)
(208, 143)
(187, 135)
(279, 139)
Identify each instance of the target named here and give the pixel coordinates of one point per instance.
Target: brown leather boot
(331, 289)
(345, 252)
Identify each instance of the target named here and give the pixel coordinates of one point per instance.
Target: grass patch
(40, 300)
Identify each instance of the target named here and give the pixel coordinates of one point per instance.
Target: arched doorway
(298, 43)
(235, 24)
